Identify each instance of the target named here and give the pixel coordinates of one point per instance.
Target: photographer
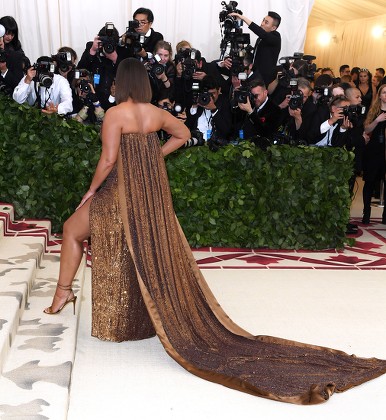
(145, 19)
(161, 70)
(101, 58)
(333, 130)
(268, 45)
(87, 107)
(261, 116)
(299, 113)
(190, 68)
(51, 92)
(210, 113)
(11, 68)
(65, 62)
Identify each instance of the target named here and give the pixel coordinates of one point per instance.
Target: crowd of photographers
(242, 95)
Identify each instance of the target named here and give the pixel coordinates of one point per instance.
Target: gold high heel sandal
(49, 311)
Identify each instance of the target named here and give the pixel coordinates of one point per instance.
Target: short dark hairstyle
(343, 67)
(381, 70)
(132, 81)
(144, 11)
(276, 18)
(210, 82)
(257, 82)
(324, 80)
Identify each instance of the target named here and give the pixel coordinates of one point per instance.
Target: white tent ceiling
(325, 11)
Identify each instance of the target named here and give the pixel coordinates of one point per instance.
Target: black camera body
(84, 86)
(296, 95)
(241, 95)
(353, 112)
(63, 60)
(133, 39)
(188, 57)
(108, 42)
(325, 93)
(154, 66)
(44, 73)
(229, 22)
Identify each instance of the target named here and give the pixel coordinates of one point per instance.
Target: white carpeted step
(36, 376)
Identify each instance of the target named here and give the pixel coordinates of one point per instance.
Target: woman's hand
(88, 194)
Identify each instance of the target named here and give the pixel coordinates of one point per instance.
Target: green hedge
(240, 196)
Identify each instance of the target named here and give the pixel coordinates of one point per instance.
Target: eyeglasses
(142, 22)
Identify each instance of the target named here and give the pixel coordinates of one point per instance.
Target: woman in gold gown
(145, 280)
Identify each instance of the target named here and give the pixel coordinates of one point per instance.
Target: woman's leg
(76, 230)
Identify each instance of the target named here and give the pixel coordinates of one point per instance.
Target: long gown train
(146, 279)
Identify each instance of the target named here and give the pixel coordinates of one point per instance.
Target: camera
(109, 41)
(353, 112)
(201, 95)
(63, 60)
(44, 73)
(324, 92)
(154, 66)
(174, 110)
(133, 39)
(84, 85)
(229, 22)
(233, 37)
(188, 57)
(241, 95)
(296, 97)
(196, 139)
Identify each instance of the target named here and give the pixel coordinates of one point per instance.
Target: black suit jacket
(267, 50)
(264, 122)
(221, 121)
(151, 41)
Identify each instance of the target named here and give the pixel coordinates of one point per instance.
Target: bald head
(354, 96)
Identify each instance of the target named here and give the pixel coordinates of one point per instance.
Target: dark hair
(343, 67)
(324, 80)
(276, 18)
(70, 50)
(354, 70)
(337, 100)
(144, 11)
(10, 26)
(210, 82)
(44, 58)
(132, 82)
(257, 82)
(381, 70)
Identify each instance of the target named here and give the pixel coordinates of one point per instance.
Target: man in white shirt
(53, 90)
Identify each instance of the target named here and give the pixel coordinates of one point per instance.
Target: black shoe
(352, 226)
(350, 230)
(366, 217)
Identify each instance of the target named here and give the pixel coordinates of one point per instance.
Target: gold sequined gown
(146, 281)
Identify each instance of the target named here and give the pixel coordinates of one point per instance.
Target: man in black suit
(211, 114)
(145, 18)
(262, 115)
(268, 45)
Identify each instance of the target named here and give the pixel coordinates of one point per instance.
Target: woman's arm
(178, 130)
(370, 127)
(111, 137)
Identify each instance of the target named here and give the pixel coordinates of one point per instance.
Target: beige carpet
(343, 309)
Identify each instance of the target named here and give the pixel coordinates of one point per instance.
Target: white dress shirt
(59, 93)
